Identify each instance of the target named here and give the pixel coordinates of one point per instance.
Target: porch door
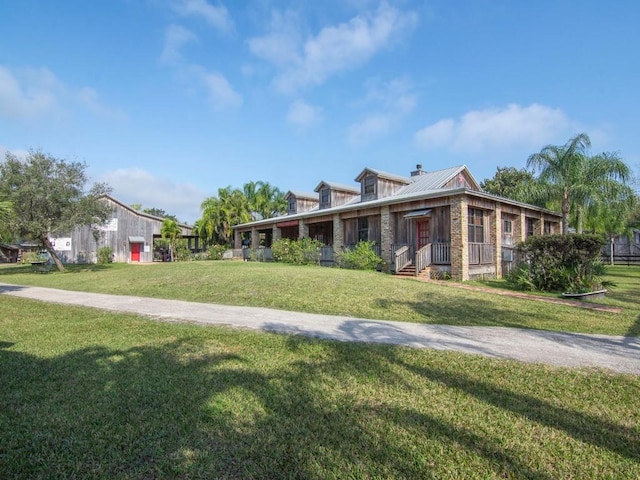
(135, 252)
(422, 233)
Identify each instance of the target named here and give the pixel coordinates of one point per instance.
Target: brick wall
(459, 239)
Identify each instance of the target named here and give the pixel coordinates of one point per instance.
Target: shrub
(562, 263)
(182, 252)
(362, 257)
(104, 255)
(304, 251)
(215, 252)
(29, 257)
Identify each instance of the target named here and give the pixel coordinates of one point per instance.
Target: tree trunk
(565, 215)
(49, 248)
(611, 251)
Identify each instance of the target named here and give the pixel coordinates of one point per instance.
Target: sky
(169, 100)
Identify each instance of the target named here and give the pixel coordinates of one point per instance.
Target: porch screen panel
(351, 232)
(476, 225)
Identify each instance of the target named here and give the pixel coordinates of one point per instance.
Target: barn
(128, 232)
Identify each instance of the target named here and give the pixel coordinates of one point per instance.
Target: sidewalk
(616, 353)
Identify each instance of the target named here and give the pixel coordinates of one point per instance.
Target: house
(128, 232)
(437, 223)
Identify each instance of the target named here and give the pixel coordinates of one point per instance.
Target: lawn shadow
(186, 409)
(474, 312)
(619, 439)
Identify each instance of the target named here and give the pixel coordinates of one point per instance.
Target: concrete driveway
(616, 353)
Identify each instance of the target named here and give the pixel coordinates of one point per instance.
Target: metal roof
(341, 187)
(386, 175)
(299, 194)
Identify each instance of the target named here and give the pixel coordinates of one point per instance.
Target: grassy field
(343, 292)
(90, 394)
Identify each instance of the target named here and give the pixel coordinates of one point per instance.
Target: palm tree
(171, 230)
(219, 214)
(265, 200)
(570, 177)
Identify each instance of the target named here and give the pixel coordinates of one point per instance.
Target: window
(476, 226)
(363, 229)
(507, 227)
(548, 228)
(325, 197)
(369, 185)
(531, 226)
(292, 204)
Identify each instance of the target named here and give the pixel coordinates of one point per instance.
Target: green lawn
(343, 292)
(90, 394)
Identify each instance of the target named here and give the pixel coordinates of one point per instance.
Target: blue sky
(169, 100)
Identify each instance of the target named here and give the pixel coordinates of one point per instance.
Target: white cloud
(333, 50)
(483, 130)
(303, 115)
(175, 38)
(281, 46)
(220, 93)
(371, 127)
(136, 185)
(91, 100)
(28, 93)
(392, 101)
(216, 16)
(36, 93)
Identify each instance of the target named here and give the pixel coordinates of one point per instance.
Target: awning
(136, 239)
(419, 213)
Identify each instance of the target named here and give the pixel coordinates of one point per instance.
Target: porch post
(255, 238)
(496, 234)
(338, 233)
(237, 239)
(277, 234)
(303, 229)
(385, 237)
(521, 232)
(459, 239)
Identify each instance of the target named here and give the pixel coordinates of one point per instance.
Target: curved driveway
(616, 353)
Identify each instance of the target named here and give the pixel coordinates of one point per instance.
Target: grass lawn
(91, 394)
(343, 292)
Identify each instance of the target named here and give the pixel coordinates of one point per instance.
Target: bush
(362, 257)
(305, 251)
(215, 252)
(559, 263)
(104, 255)
(29, 257)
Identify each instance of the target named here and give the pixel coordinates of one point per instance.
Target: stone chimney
(418, 171)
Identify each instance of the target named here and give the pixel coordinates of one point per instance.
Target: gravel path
(616, 353)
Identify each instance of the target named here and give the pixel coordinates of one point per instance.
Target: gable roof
(299, 194)
(340, 187)
(139, 213)
(437, 180)
(385, 175)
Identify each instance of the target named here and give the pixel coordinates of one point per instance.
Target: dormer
(335, 194)
(375, 184)
(298, 202)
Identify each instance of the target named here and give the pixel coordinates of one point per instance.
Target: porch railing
(441, 253)
(402, 258)
(423, 258)
(480, 253)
